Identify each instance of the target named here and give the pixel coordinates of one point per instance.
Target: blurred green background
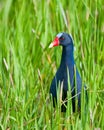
(27, 65)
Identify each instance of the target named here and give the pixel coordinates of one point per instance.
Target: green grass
(27, 65)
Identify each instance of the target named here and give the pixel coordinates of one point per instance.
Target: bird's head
(63, 39)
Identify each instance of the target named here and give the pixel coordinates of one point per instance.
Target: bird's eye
(62, 38)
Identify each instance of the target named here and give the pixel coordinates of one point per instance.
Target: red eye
(61, 38)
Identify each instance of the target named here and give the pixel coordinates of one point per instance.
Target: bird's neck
(67, 56)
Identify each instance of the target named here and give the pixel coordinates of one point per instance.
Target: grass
(27, 65)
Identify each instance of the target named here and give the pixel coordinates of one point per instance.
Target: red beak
(54, 43)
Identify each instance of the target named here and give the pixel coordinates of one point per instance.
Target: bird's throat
(67, 62)
(67, 56)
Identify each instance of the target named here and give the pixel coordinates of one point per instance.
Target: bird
(67, 71)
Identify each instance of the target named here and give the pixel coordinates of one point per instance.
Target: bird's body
(65, 70)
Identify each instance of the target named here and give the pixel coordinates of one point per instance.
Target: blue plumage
(67, 67)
